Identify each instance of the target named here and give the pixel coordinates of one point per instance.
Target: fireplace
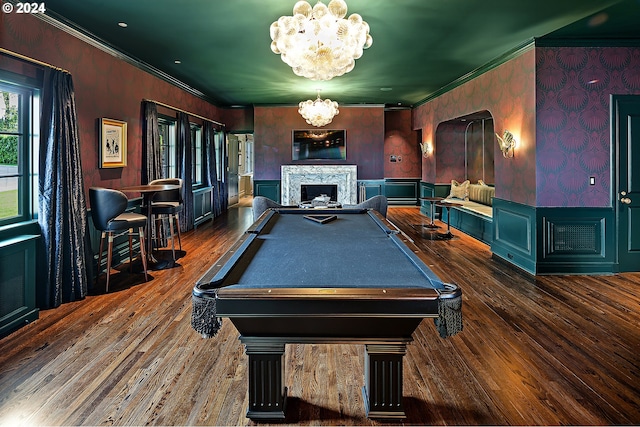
(344, 177)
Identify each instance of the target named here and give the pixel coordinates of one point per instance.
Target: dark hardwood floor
(549, 350)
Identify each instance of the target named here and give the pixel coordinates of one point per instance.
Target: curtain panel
(223, 194)
(151, 156)
(184, 163)
(210, 163)
(65, 250)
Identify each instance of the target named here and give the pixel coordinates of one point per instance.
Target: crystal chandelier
(318, 43)
(318, 113)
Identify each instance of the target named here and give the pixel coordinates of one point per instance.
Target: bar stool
(108, 213)
(168, 204)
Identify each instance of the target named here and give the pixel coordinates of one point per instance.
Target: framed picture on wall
(113, 143)
(319, 144)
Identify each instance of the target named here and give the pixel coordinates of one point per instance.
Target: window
(246, 153)
(197, 154)
(19, 114)
(167, 128)
(218, 141)
(167, 131)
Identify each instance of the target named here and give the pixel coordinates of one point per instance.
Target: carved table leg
(383, 380)
(267, 393)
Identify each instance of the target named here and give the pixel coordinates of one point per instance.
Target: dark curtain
(209, 134)
(65, 250)
(224, 190)
(184, 170)
(151, 156)
(219, 195)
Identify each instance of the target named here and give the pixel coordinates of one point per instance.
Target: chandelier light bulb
(318, 112)
(318, 42)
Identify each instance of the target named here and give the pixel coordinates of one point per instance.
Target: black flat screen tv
(319, 144)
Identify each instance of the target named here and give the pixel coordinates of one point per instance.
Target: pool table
(324, 276)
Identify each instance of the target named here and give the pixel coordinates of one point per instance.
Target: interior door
(627, 196)
(232, 144)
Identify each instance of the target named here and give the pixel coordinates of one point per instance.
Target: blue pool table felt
(351, 251)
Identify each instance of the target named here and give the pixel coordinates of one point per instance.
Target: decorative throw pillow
(459, 191)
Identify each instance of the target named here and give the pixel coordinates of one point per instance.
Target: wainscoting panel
(514, 238)
(402, 191)
(369, 188)
(576, 240)
(441, 190)
(476, 226)
(17, 282)
(426, 190)
(267, 188)
(555, 240)
(202, 206)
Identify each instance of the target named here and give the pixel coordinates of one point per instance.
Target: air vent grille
(574, 238)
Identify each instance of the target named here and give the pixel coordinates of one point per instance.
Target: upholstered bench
(475, 216)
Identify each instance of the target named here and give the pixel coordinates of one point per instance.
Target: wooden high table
(432, 201)
(148, 191)
(447, 205)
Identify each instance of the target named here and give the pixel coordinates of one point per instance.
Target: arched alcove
(464, 149)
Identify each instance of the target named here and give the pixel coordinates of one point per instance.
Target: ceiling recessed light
(599, 19)
(123, 24)
(177, 61)
(386, 89)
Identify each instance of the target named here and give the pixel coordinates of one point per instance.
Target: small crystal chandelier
(318, 113)
(318, 43)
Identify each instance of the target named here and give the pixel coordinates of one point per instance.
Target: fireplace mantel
(344, 176)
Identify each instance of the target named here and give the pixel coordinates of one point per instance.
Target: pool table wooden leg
(267, 394)
(383, 380)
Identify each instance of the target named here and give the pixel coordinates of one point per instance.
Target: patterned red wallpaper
(573, 120)
(473, 158)
(273, 128)
(449, 153)
(556, 101)
(508, 93)
(104, 87)
(401, 141)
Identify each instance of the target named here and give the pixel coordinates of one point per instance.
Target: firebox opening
(311, 191)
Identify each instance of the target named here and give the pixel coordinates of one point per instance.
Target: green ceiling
(419, 46)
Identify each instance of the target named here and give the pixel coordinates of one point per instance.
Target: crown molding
(82, 34)
(568, 42)
(507, 56)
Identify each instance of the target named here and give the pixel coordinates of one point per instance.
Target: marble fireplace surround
(344, 176)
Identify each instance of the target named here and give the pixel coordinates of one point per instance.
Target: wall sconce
(507, 142)
(426, 149)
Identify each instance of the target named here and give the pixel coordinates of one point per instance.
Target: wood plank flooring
(549, 350)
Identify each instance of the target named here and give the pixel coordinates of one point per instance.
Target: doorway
(626, 194)
(241, 149)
